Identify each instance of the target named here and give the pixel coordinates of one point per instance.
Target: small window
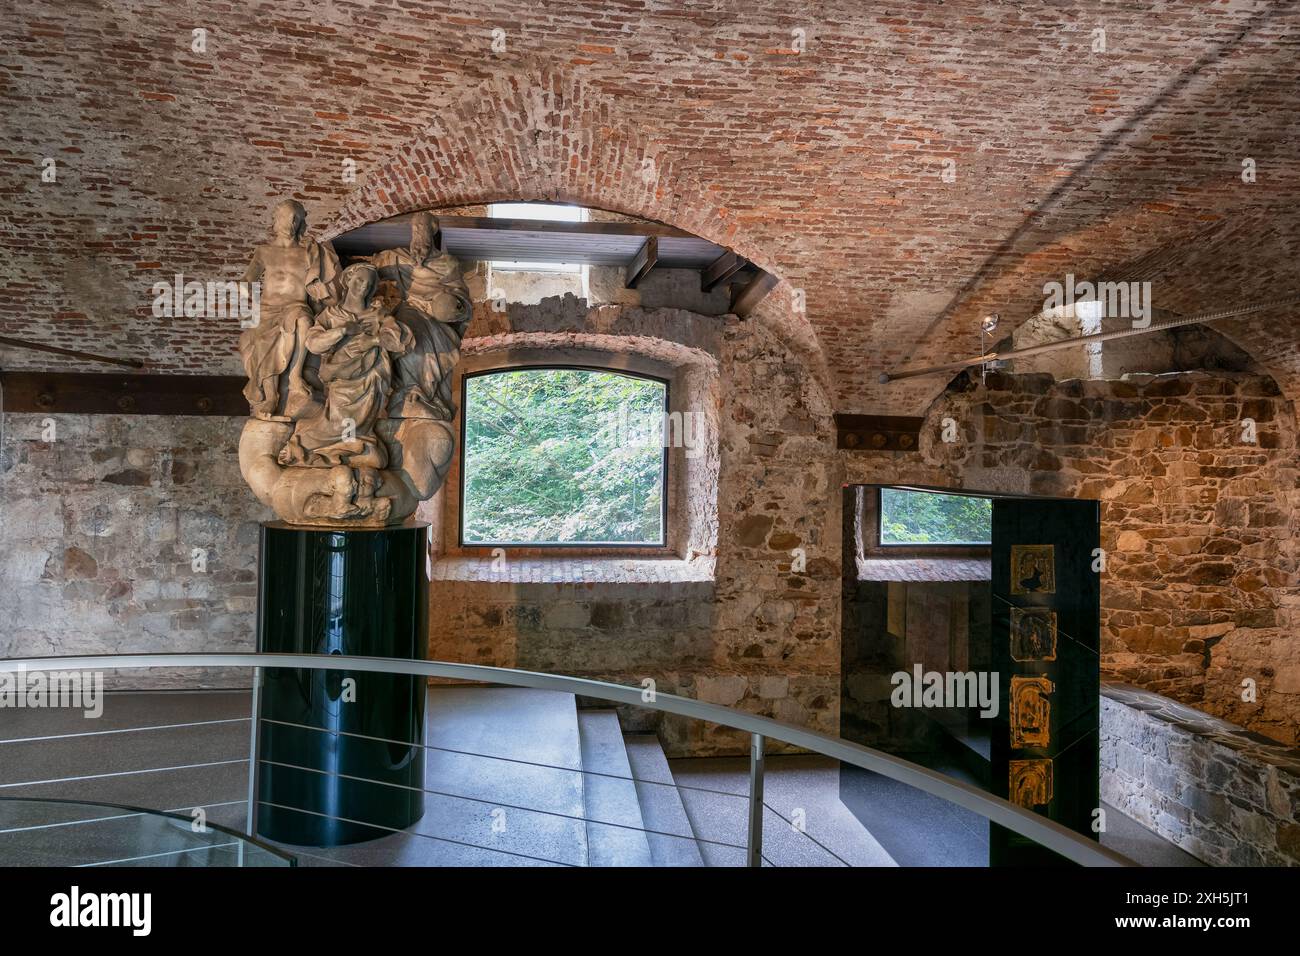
(563, 456)
(925, 518)
(546, 212)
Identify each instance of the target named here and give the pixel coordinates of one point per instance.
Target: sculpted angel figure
(435, 308)
(297, 275)
(356, 340)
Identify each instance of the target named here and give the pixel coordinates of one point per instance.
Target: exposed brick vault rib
(1181, 217)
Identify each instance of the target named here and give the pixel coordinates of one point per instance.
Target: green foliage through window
(563, 456)
(918, 517)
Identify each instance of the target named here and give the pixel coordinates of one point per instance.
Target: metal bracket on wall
(745, 298)
(96, 393)
(645, 260)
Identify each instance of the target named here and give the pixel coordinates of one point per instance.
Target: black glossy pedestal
(352, 592)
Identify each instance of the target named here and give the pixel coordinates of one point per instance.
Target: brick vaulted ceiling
(810, 137)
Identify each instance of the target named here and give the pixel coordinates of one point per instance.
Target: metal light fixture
(1160, 325)
(987, 325)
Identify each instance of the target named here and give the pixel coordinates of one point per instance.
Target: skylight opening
(544, 212)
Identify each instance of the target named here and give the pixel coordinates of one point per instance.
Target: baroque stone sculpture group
(350, 395)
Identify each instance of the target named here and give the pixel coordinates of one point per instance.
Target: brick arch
(544, 134)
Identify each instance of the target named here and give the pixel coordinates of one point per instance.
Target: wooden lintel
(96, 393)
(642, 262)
(744, 301)
(877, 432)
(720, 270)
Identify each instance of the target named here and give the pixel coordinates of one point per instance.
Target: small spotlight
(990, 322)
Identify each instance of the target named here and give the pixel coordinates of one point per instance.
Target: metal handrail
(1048, 833)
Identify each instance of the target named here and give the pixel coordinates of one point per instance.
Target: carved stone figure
(436, 307)
(350, 403)
(297, 275)
(354, 339)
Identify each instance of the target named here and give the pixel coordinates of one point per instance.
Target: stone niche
(101, 526)
(1184, 349)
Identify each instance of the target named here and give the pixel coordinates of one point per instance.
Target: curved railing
(148, 843)
(1041, 830)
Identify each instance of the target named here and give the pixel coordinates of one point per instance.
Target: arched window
(557, 456)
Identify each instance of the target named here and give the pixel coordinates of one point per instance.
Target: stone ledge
(924, 569)
(576, 569)
(1228, 796)
(1215, 729)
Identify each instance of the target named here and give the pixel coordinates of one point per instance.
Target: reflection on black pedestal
(348, 592)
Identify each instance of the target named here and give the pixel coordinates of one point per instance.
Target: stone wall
(99, 526)
(1227, 796)
(745, 616)
(1199, 525)
(100, 521)
(98, 529)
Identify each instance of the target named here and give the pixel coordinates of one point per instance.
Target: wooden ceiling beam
(877, 432)
(104, 393)
(560, 228)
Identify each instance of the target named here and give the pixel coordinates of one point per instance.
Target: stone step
(504, 781)
(610, 795)
(673, 843)
(515, 787)
(804, 821)
(914, 827)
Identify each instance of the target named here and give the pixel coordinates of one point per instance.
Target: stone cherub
(297, 276)
(350, 404)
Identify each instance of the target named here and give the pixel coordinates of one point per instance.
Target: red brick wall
(813, 140)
